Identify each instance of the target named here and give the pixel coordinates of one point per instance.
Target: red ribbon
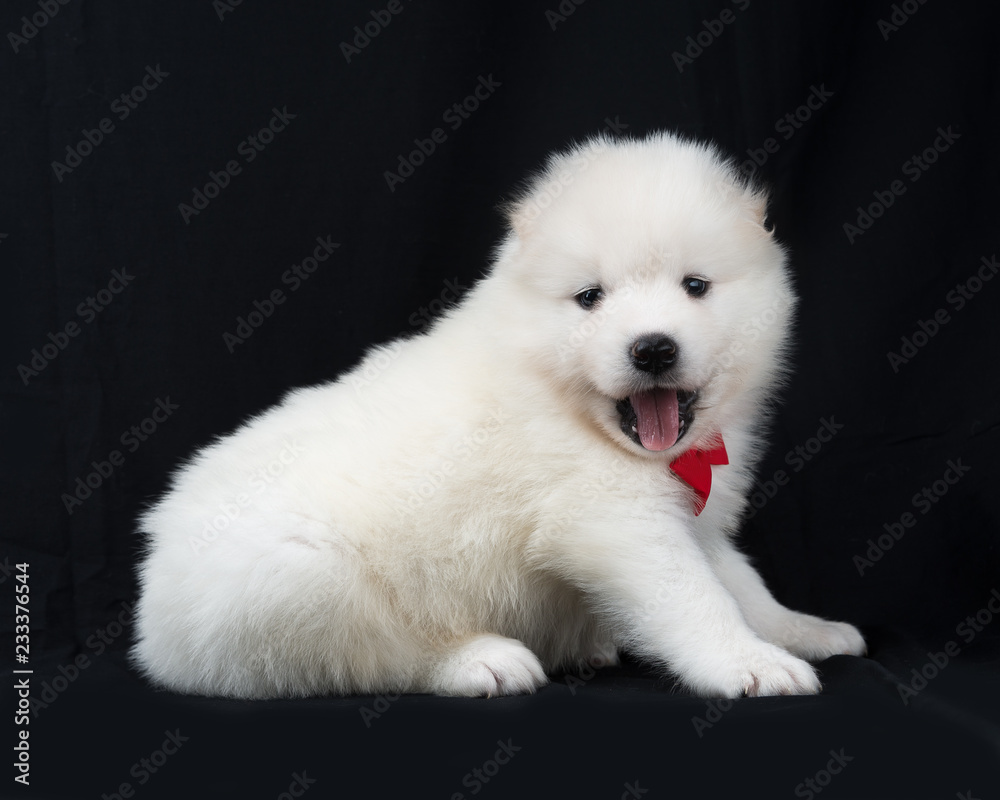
(695, 468)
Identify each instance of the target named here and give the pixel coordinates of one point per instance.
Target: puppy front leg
(657, 584)
(809, 637)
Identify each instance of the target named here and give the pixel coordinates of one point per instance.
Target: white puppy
(513, 492)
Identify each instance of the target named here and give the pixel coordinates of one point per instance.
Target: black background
(888, 93)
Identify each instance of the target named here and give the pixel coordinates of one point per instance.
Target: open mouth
(656, 419)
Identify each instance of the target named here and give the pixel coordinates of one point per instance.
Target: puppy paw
(775, 673)
(815, 639)
(759, 670)
(489, 666)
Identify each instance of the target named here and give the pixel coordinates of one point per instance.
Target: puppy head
(658, 300)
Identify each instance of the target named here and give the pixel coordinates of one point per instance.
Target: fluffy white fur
(462, 513)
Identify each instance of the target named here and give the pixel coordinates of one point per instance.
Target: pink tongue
(658, 419)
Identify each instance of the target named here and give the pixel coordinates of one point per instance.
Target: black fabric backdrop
(166, 167)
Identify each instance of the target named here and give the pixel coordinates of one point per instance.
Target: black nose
(654, 354)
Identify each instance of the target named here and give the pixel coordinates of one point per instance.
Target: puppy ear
(521, 214)
(546, 187)
(538, 193)
(755, 208)
(740, 192)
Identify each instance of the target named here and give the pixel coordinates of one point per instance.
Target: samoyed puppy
(552, 473)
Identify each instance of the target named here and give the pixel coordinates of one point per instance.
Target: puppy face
(664, 297)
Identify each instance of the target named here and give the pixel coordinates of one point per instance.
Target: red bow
(695, 468)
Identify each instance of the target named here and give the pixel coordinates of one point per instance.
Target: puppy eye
(695, 287)
(588, 298)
